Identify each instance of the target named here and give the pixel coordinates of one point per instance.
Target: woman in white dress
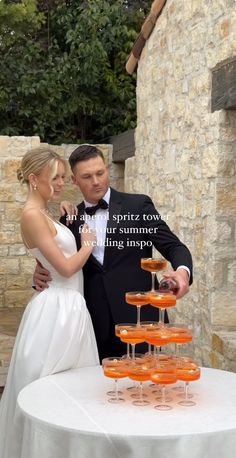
(56, 331)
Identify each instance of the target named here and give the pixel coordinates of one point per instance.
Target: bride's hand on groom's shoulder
(67, 208)
(88, 236)
(41, 277)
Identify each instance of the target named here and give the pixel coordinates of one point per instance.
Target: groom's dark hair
(84, 153)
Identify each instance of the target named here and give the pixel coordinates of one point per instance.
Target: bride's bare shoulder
(32, 215)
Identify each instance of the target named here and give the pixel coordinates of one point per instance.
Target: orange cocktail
(162, 300)
(140, 370)
(114, 372)
(137, 298)
(153, 265)
(164, 374)
(115, 368)
(132, 334)
(158, 336)
(164, 377)
(188, 373)
(181, 335)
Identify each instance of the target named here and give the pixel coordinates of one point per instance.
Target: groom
(127, 226)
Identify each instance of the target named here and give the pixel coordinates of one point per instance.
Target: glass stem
(141, 391)
(138, 315)
(162, 316)
(163, 394)
(133, 351)
(116, 389)
(149, 349)
(128, 353)
(186, 390)
(153, 280)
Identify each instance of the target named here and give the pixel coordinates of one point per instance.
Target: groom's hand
(41, 277)
(181, 279)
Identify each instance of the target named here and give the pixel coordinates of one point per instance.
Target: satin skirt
(55, 334)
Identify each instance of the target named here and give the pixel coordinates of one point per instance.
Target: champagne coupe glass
(157, 336)
(189, 374)
(138, 298)
(182, 363)
(120, 328)
(147, 325)
(164, 374)
(128, 361)
(153, 265)
(140, 371)
(181, 334)
(162, 300)
(132, 334)
(115, 368)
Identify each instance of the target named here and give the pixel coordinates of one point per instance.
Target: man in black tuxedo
(127, 226)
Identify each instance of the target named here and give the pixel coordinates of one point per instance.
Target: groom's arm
(41, 277)
(164, 240)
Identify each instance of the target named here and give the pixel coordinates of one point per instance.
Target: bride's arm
(37, 234)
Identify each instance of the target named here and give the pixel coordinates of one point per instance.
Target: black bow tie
(92, 210)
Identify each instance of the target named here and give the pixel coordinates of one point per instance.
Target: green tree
(62, 68)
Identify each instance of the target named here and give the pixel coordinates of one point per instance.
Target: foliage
(62, 68)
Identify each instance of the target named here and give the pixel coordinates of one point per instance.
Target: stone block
(4, 145)
(18, 282)
(217, 344)
(17, 250)
(16, 298)
(3, 251)
(7, 193)
(9, 238)
(226, 199)
(10, 169)
(20, 145)
(6, 345)
(2, 281)
(231, 273)
(223, 310)
(224, 232)
(9, 266)
(13, 212)
(225, 342)
(27, 265)
(210, 160)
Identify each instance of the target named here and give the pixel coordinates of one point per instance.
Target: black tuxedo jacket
(133, 227)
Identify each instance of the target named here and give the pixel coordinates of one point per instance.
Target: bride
(56, 332)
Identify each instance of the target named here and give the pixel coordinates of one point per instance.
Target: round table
(67, 415)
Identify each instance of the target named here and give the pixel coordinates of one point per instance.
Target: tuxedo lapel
(80, 221)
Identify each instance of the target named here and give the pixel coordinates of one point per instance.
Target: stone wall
(185, 159)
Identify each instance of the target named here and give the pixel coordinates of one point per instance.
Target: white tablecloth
(67, 416)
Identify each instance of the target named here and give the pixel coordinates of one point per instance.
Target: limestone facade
(186, 159)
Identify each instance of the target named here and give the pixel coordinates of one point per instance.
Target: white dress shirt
(98, 223)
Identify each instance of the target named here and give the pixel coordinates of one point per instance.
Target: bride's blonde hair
(34, 162)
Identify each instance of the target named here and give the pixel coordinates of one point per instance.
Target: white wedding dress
(55, 335)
